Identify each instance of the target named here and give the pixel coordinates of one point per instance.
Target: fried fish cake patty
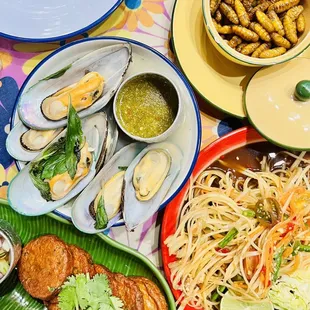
(45, 264)
(152, 296)
(82, 261)
(53, 304)
(128, 291)
(100, 269)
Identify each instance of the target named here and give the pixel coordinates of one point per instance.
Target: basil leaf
(58, 146)
(101, 215)
(35, 172)
(74, 139)
(57, 74)
(55, 165)
(122, 168)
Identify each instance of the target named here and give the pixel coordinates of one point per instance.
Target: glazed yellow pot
(233, 55)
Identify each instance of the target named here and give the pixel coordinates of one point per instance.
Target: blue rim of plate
(65, 36)
(134, 42)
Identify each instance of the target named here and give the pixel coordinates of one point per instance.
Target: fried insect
(284, 5)
(262, 48)
(229, 12)
(294, 12)
(218, 16)
(240, 47)
(290, 29)
(222, 29)
(277, 24)
(242, 13)
(258, 28)
(280, 41)
(230, 2)
(274, 52)
(248, 5)
(250, 48)
(301, 23)
(264, 20)
(234, 41)
(245, 34)
(214, 4)
(261, 7)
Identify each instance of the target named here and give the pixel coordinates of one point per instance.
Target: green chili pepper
(230, 236)
(248, 213)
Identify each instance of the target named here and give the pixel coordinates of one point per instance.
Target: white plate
(45, 20)
(187, 136)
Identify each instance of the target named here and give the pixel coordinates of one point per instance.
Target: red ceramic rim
(222, 146)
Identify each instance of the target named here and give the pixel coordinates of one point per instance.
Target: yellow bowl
(233, 55)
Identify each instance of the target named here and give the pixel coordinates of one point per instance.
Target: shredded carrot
(240, 284)
(296, 190)
(269, 255)
(296, 264)
(256, 231)
(285, 241)
(287, 252)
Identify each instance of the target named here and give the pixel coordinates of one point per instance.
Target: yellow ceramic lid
(277, 102)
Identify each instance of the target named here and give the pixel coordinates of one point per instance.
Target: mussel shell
(137, 212)
(81, 215)
(110, 61)
(26, 199)
(15, 146)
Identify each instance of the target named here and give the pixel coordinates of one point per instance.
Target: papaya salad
(244, 235)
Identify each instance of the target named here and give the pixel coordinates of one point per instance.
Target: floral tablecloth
(147, 21)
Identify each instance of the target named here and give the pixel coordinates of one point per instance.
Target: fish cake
(44, 266)
(152, 296)
(128, 291)
(82, 261)
(53, 304)
(100, 269)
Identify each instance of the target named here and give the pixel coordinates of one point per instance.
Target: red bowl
(211, 153)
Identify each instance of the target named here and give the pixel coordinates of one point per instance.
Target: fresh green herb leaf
(122, 168)
(229, 237)
(74, 140)
(35, 173)
(278, 262)
(55, 165)
(81, 292)
(101, 215)
(57, 74)
(68, 299)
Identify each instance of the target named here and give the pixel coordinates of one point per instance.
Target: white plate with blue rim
(188, 135)
(47, 21)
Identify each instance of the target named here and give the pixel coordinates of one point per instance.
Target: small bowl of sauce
(10, 249)
(147, 107)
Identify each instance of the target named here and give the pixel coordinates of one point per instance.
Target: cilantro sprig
(81, 292)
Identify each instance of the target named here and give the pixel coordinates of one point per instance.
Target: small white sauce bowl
(8, 233)
(177, 121)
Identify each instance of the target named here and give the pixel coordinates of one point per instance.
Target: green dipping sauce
(147, 105)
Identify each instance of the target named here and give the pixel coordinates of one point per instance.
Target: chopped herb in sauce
(147, 106)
